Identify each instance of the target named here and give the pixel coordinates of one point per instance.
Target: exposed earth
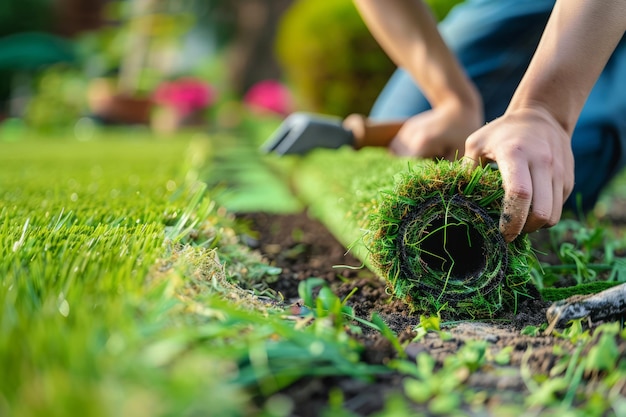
(304, 248)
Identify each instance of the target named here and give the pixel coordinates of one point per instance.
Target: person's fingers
(469, 162)
(568, 177)
(413, 143)
(469, 159)
(473, 153)
(561, 188)
(396, 147)
(400, 145)
(518, 191)
(541, 209)
(557, 203)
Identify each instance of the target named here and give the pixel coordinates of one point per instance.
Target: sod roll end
(435, 239)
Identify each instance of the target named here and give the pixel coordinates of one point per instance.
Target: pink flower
(185, 95)
(269, 95)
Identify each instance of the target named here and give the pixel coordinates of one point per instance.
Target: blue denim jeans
(494, 40)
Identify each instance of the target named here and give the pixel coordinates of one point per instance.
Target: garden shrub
(329, 57)
(59, 100)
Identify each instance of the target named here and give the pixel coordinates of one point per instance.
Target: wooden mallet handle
(369, 133)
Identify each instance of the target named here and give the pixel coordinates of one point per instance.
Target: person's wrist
(534, 99)
(543, 112)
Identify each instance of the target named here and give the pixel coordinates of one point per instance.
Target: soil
(304, 248)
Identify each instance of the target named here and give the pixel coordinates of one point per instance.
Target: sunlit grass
(82, 327)
(125, 291)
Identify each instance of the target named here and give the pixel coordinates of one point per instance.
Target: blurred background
(173, 64)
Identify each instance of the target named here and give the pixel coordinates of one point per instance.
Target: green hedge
(329, 57)
(331, 60)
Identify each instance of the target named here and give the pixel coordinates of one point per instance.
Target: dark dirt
(304, 248)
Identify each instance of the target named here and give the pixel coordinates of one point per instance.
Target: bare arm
(532, 141)
(408, 33)
(576, 45)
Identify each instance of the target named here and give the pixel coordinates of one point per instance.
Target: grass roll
(430, 229)
(435, 239)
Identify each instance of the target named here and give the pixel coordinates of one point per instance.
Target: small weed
(327, 306)
(587, 253)
(427, 324)
(591, 371)
(533, 330)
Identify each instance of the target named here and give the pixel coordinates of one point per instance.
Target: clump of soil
(304, 248)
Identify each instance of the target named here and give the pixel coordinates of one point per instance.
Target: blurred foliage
(25, 15)
(331, 60)
(21, 16)
(60, 98)
(440, 8)
(220, 18)
(329, 57)
(165, 23)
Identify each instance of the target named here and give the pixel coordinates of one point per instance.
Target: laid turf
(85, 327)
(125, 289)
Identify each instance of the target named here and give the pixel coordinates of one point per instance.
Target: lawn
(115, 298)
(90, 323)
(127, 290)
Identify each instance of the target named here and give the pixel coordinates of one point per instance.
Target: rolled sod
(430, 229)
(435, 239)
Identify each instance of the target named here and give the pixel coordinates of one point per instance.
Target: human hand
(437, 133)
(535, 159)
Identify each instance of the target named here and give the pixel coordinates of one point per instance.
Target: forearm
(408, 33)
(576, 45)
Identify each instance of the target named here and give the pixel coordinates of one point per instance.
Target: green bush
(329, 57)
(59, 100)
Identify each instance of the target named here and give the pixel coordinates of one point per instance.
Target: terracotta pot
(114, 107)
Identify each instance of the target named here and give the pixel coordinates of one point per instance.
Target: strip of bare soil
(304, 248)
